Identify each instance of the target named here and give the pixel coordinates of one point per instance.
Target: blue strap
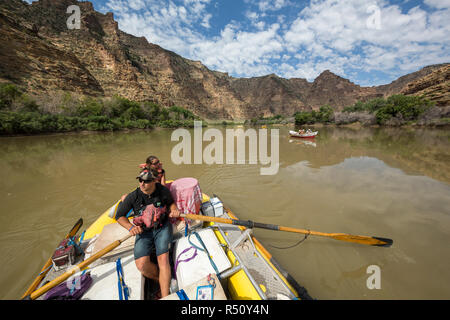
(121, 282)
(75, 244)
(82, 237)
(204, 250)
(125, 290)
(129, 213)
(74, 282)
(182, 295)
(48, 268)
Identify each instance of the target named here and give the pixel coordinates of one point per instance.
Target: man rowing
(152, 206)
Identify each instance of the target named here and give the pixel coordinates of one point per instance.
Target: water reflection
(372, 181)
(309, 143)
(416, 151)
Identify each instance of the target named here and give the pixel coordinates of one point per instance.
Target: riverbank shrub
(324, 115)
(21, 114)
(181, 114)
(90, 107)
(302, 118)
(8, 93)
(396, 108)
(261, 120)
(34, 123)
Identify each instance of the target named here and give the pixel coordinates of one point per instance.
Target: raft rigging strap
(296, 244)
(182, 295)
(204, 250)
(177, 262)
(123, 288)
(193, 246)
(75, 244)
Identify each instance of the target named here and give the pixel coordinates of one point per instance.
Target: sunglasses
(146, 181)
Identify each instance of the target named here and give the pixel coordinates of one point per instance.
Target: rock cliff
(435, 86)
(40, 54)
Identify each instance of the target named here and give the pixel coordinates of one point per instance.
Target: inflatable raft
(209, 261)
(304, 135)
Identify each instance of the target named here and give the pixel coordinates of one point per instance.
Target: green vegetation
(20, 114)
(261, 120)
(8, 93)
(405, 108)
(324, 115)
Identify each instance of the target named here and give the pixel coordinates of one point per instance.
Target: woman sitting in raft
(153, 164)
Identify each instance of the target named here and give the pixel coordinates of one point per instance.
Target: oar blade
(75, 228)
(45, 268)
(371, 241)
(36, 294)
(385, 242)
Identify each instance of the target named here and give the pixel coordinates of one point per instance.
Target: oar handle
(248, 224)
(206, 218)
(36, 294)
(373, 241)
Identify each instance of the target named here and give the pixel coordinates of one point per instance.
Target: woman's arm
(163, 178)
(174, 213)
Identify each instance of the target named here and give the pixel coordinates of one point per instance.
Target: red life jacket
(150, 217)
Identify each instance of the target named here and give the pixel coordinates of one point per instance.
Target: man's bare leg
(147, 268)
(164, 274)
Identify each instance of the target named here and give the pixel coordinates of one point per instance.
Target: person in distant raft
(153, 163)
(152, 206)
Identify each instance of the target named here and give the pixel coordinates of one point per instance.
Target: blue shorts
(160, 238)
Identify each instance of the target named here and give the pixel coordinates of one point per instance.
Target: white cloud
(260, 25)
(136, 4)
(253, 16)
(439, 4)
(205, 21)
(331, 30)
(272, 5)
(255, 20)
(175, 27)
(242, 53)
(197, 6)
(327, 34)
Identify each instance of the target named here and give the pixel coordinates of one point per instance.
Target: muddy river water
(392, 183)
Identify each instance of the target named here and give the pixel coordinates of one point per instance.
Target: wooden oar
(36, 294)
(372, 241)
(47, 265)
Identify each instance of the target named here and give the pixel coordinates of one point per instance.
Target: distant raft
(308, 134)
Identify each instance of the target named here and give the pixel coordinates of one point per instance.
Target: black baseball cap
(146, 175)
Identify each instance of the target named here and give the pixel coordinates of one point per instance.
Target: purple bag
(74, 291)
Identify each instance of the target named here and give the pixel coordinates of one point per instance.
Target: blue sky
(368, 42)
